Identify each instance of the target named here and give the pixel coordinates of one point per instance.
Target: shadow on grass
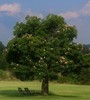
(65, 96)
(15, 93)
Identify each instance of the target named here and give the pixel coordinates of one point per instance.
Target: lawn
(9, 91)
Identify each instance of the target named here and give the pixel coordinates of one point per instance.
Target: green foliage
(84, 76)
(87, 60)
(70, 79)
(53, 76)
(2, 74)
(2, 47)
(23, 72)
(6, 75)
(30, 26)
(64, 79)
(41, 48)
(86, 49)
(44, 46)
(3, 62)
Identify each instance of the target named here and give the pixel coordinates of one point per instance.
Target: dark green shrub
(72, 79)
(6, 75)
(84, 76)
(2, 74)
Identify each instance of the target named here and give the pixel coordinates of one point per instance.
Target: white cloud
(88, 4)
(10, 9)
(86, 9)
(70, 15)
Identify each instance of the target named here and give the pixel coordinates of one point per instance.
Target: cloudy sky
(75, 12)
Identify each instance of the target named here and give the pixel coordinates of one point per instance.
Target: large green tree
(41, 47)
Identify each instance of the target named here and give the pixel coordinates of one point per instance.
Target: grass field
(9, 91)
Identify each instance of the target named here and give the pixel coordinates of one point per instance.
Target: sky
(75, 12)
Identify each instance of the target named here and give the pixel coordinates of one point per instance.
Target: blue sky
(75, 12)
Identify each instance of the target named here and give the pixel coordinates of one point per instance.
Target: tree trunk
(45, 86)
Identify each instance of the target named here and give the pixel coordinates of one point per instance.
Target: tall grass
(6, 75)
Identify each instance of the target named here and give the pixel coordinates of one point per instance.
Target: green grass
(8, 91)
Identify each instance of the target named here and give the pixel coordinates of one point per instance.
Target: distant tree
(84, 75)
(42, 47)
(2, 47)
(86, 49)
(88, 45)
(3, 63)
(84, 69)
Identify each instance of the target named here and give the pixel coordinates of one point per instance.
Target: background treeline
(78, 75)
(3, 63)
(5, 73)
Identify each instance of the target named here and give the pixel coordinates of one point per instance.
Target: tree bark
(45, 86)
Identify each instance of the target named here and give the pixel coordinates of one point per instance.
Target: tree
(3, 63)
(40, 47)
(84, 74)
(2, 47)
(86, 49)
